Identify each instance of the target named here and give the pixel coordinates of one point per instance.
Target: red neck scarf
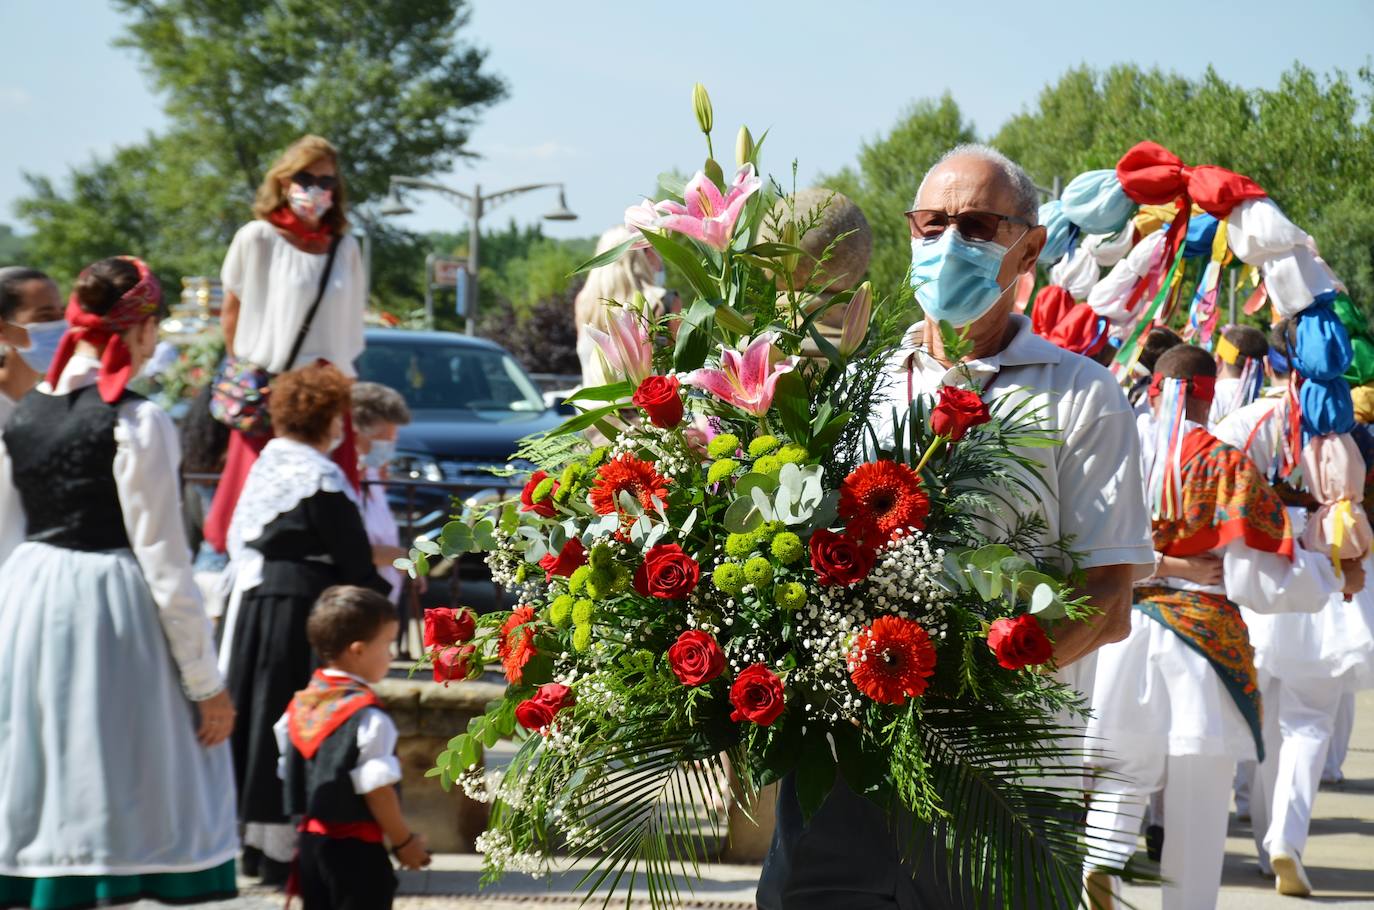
(290, 222)
(116, 363)
(322, 707)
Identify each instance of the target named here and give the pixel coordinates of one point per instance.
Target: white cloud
(13, 98)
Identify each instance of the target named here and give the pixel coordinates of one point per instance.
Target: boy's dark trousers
(342, 873)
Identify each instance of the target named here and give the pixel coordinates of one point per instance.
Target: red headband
(1203, 388)
(116, 364)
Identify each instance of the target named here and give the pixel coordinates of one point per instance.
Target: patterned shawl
(322, 707)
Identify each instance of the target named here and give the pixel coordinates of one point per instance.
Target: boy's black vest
(324, 751)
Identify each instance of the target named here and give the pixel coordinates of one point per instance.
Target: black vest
(62, 450)
(321, 787)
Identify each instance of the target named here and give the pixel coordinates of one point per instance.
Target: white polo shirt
(1089, 493)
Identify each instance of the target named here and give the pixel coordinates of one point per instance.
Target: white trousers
(1340, 738)
(1197, 792)
(1299, 715)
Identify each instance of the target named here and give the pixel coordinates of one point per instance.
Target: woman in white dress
(115, 777)
(272, 275)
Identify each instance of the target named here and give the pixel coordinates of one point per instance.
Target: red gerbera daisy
(891, 660)
(627, 474)
(884, 496)
(516, 645)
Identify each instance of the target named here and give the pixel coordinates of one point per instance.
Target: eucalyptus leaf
(752, 481)
(763, 503)
(427, 547)
(1045, 603)
(742, 517)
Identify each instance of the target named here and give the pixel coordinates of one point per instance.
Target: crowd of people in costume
(1210, 487)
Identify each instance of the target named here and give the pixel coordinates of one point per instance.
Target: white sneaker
(1291, 877)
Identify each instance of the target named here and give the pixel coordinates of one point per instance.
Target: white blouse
(276, 283)
(146, 464)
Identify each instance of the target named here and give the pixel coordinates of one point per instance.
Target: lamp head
(562, 212)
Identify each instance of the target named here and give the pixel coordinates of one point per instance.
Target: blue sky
(600, 91)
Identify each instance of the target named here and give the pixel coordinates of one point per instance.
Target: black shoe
(250, 864)
(1154, 842)
(275, 874)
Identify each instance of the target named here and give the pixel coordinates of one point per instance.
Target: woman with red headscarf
(115, 778)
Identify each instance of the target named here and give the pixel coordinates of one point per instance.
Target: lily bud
(790, 261)
(744, 147)
(856, 317)
(701, 103)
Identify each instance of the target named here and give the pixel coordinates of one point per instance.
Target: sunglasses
(305, 180)
(977, 226)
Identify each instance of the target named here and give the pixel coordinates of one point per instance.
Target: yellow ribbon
(1342, 520)
(1227, 351)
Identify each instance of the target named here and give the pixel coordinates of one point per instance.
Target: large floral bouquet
(720, 568)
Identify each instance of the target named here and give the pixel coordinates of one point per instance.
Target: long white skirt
(100, 770)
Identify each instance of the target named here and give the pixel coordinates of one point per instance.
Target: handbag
(238, 398)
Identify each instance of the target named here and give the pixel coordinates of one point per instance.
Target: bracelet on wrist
(396, 850)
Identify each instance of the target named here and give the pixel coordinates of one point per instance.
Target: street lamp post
(475, 204)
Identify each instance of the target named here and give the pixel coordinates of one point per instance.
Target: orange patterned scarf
(322, 707)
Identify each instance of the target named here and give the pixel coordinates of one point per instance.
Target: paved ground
(1339, 859)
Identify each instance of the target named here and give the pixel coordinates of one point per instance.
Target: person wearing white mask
(378, 411)
(973, 235)
(31, 325)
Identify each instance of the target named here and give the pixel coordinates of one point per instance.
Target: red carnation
(516, 644)
(838, 558)
(667, 573)
(1019, 642)
(544, 506)
(447, 626)
(659, 397)
(757, 696)
(958, 411)
(884, 497)
(569, 559)
(891, 660)
(696, 658)
(453, 663)
(533, 714)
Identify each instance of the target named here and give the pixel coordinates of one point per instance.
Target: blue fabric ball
(1326, 406)
(1095, 201)
(1321, 346)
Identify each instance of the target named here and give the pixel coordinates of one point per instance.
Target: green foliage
(13, 248)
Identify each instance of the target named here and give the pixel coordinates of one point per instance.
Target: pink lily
(647, 216)
(746, 380)
(708, 216)
(625, 348)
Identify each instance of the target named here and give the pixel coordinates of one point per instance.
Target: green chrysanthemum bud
(542, 490)
(768, 464)
(582, 612)
(560, 611)
(600, 583)
(582, 638)
(792, 454)
(601, 557)
(623, 578)
(578, 580)
(701, 106)
(762, 445)
(758, 572)
(740, 545)
(521, 573)
(723, 446)
(790, 595)
(593, 461)
(721, 470)
(787, 547)
(728, 577)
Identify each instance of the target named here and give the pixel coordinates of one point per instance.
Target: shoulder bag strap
(314, 307)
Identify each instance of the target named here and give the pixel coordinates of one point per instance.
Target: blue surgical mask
(956, 279)
(43, 340)
(381, 453)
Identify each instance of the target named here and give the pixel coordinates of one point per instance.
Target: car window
(436, 377)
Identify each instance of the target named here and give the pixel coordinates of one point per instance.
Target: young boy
(339, 763)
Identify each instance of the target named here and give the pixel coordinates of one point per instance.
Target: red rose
(544, 506)
(957, 412)
(756, 695)
(1019, 642)
(533, 714)
(569, 559)
(446, 626)
(667, 572)
(556, 696)
(658, 396)
(452, 663)
(696, 658)
(838, 558)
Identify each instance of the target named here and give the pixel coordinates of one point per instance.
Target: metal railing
(411, 527)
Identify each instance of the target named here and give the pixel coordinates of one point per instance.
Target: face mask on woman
(309, 203)
(43, 340)
(380, 454)
(956, 279)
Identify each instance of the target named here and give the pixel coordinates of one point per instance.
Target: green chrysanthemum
(721, 470)
(790, 595)
(600, 583)
(768, 464)
(739, 546)
(729, 577)
(582, 638)
(723, 446)
(762, 445)
(578, 580)
(560, 611)
(792, 454)
(582, 612)
(758, 572)
(787, 547)
(601, 557)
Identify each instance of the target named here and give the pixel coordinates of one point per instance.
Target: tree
(885, 180)
(13, 249)
(390, 82)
